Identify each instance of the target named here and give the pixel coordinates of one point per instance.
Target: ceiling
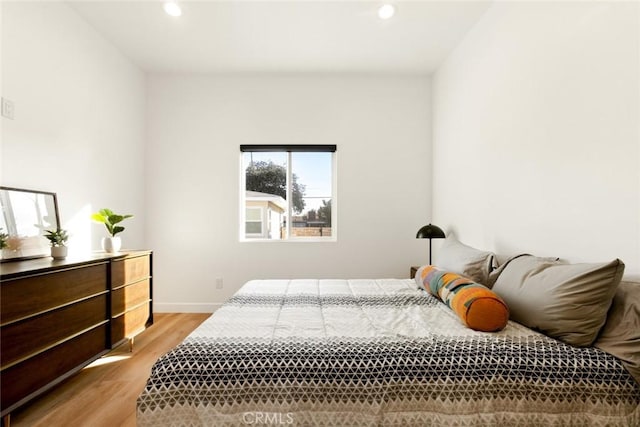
(283, 36)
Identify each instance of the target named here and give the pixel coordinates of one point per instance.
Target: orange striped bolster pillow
(477, 306)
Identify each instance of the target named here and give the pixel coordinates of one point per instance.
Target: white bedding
(376, 352)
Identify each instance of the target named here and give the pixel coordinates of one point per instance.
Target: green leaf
(57, 237)
(109, 219)
(114, 219)
(98, 218)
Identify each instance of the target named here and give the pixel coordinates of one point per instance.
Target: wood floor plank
(105, 392)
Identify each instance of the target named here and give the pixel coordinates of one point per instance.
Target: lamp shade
(430, 231)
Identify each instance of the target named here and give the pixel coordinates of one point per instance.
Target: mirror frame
(38, 246)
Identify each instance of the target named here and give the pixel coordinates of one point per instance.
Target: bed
(376, 352)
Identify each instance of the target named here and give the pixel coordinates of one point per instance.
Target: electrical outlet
(7, 108)
(219, 283)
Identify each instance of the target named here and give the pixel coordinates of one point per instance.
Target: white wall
(79, 119)
(536, 132)
(196, 125)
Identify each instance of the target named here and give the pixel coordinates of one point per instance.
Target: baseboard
(185, 307)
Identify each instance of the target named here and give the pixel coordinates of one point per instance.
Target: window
(253, 221)
(288, 192)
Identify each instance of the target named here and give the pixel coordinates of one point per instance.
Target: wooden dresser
(56, 317)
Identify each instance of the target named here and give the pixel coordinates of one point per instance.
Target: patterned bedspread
(372, 353)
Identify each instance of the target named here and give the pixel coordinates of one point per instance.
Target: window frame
(289, 149)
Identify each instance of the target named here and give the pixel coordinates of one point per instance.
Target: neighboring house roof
(256, 196)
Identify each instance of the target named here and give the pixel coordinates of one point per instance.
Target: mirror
(26, 214)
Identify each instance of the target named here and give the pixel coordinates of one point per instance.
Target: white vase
(59, 252)
(111, 245)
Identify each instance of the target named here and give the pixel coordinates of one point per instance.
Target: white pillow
(467, 261)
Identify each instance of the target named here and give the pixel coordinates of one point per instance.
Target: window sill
(305, 240)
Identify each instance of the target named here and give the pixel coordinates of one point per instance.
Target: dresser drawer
(128, 297)
(33, 335)
(31, 295)
(129, 324)
(35, 373)
(129, 270)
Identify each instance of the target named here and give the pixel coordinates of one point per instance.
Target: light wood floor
(104, 393)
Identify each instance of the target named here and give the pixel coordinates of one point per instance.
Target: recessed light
(386, 11)
(172, 8)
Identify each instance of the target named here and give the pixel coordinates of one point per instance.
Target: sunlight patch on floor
(105, 360)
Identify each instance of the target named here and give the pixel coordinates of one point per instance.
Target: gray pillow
(620, 335)
(502, 260)
(565, 301)
(467, 261)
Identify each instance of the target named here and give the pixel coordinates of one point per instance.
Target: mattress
(376, 352)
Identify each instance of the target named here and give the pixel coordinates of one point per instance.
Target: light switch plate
(7, 108)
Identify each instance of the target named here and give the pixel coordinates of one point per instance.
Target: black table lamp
(430, 231)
